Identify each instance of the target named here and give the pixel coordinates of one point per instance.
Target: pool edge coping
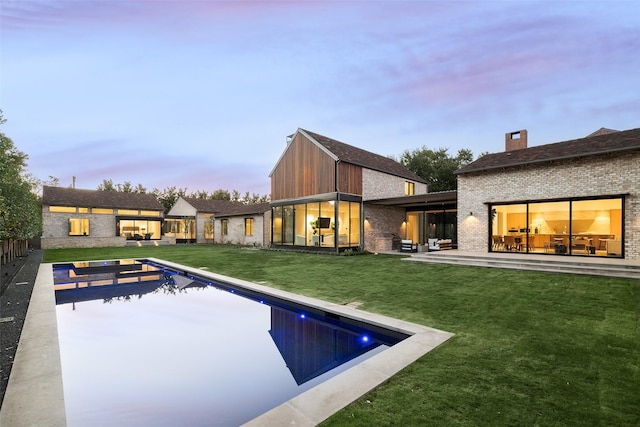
(34, 394)
(320, 402)
(38, 361)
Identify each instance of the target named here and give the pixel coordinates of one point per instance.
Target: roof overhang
(429, 200)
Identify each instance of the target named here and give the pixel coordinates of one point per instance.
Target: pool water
(142, 344)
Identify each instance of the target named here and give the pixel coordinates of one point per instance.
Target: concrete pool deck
(35, 395)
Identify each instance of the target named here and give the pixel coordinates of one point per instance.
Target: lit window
(248, 226)
(78, 226)
(83, 210)
(150, 213)
(128, 211)
(409, 188)
(224, 226)
(102, 211)
(65, 209)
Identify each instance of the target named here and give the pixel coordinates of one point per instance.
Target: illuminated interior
(567, 227)
(138, 229)
(432, 224)
(181, 228)
(321, 224)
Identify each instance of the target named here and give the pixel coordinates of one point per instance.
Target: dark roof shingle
(357, 156)
(245, 209)
(61, 196)
(599, 143)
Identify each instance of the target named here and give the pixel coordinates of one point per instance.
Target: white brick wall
(378, 185)
(585, 177)
(55, 232)
(380, 224)
(261, 231)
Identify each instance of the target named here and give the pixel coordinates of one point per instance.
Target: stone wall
(591, 176)
(381, 223)
(201, 224)
(236, 236)
(378, 185)
(55, 233)
(81, 242)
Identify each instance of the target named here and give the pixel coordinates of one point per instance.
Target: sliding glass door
(589, 227)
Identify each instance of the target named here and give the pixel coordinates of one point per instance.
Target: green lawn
(530, 348)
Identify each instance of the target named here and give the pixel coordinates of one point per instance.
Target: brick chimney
(515, 140)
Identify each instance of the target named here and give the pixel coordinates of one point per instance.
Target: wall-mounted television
(324, 222)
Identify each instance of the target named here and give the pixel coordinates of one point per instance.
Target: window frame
(82, 224)
(249, 224)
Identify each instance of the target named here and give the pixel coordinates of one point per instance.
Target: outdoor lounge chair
(433, 245)
(408, 246)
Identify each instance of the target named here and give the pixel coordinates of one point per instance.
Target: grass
(531, 348)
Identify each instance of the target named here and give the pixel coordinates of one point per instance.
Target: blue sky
(202, 94)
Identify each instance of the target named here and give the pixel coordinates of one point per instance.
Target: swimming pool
(144, 342)
(35, 394)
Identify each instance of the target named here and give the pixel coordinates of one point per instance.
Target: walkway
(593, 266)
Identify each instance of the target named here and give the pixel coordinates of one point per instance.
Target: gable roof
(248, 209)
(210, 205)
(349, 154)
(602, 142)
(357, 156)
(60, 196)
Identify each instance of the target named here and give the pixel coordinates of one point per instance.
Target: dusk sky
(202, 94)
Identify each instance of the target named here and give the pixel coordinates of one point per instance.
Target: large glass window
(287, 225)
(591, 227)
(354, 223)
(302, 237)
(348, 224)
(138, 229)
(276, 225)
(424, 225)
(180, 228)
(315, 224)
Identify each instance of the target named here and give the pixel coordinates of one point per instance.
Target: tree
(169, 196)
(108, 185)
(221, 195)
(436, 167)
(20, 215)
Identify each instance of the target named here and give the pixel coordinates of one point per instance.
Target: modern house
(192, 220)
(578, 197)
(74, 218)
(244, 224)
(323, 195)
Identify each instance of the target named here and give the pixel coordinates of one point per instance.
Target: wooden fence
(12, 249)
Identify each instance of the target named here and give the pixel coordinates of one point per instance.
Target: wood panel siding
(303, 170)
(349, 178)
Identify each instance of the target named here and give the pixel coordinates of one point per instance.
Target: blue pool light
(302, 316)
(364, 339)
